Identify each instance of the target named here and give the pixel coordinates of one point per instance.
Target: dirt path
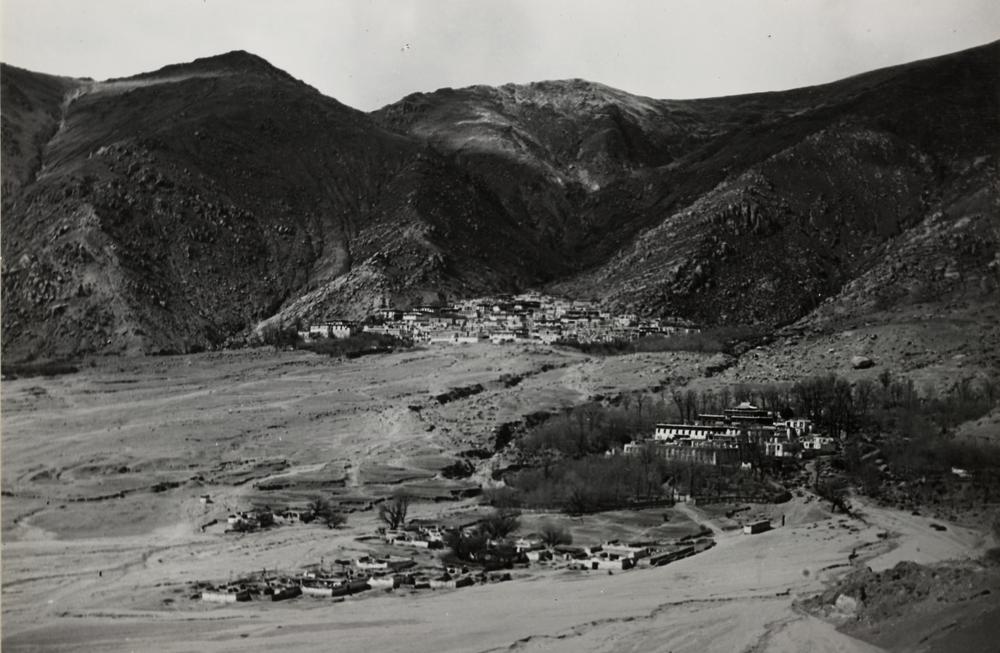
(914, 538)
(700, 518)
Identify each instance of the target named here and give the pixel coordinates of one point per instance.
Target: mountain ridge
(186, 207)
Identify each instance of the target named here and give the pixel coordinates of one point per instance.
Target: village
(420, 555)
(451, 553)
(523, 318)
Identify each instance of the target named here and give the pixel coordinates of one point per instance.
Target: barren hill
(177, 209)
(752, 208)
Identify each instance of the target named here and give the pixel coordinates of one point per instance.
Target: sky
(368, 53)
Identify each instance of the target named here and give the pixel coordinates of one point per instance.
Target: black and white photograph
(476, 326)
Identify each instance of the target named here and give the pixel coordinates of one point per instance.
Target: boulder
(861, 362)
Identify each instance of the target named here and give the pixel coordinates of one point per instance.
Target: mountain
(180, 209)
(173, 210)
(745, 209)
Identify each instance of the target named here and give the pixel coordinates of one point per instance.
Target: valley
(530, 367)
(104, 470)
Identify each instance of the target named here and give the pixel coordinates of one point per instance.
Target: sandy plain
(102, 473)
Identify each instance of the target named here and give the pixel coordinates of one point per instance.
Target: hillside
(172, 210)
(755, 208)
(178, 209)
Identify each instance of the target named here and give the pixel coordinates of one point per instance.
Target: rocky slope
(748, 209)
(179, 209)
(172, 210)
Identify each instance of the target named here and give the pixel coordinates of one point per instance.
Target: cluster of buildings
(420, 537)
(722, 439)
(530, 317)
(389, 571)
(251, 520)
(613, 554)
(352, 577)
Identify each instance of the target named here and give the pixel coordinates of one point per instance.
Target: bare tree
(393, 511)
(324, 511)
(500, 524)
(639, 401)
(708, 402)
(549, 457)
(691, 405)
(725, 397)
(864, 397)
(553, 535)
(678, 398)
(769, 396)
(686, 403)
(648, 481)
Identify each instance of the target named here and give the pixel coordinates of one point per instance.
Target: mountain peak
(237, 60)
(233, 62)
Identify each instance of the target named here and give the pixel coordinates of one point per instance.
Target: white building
(820, 444)
(799, 426)
(777, 449)
(694, 431)
(333, 329)
(625, 551)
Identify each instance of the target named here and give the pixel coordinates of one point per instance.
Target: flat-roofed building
(745, 413)
(333, 329)
(694, 431)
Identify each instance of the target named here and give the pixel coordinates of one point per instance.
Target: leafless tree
(769, 396)
(864, 396)
(686, 403)
(708, 402)
(500, 524)
(324, 511)
(725, 397)
(393, 511)
(691, 405)
(553, 535)
(678, 398)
